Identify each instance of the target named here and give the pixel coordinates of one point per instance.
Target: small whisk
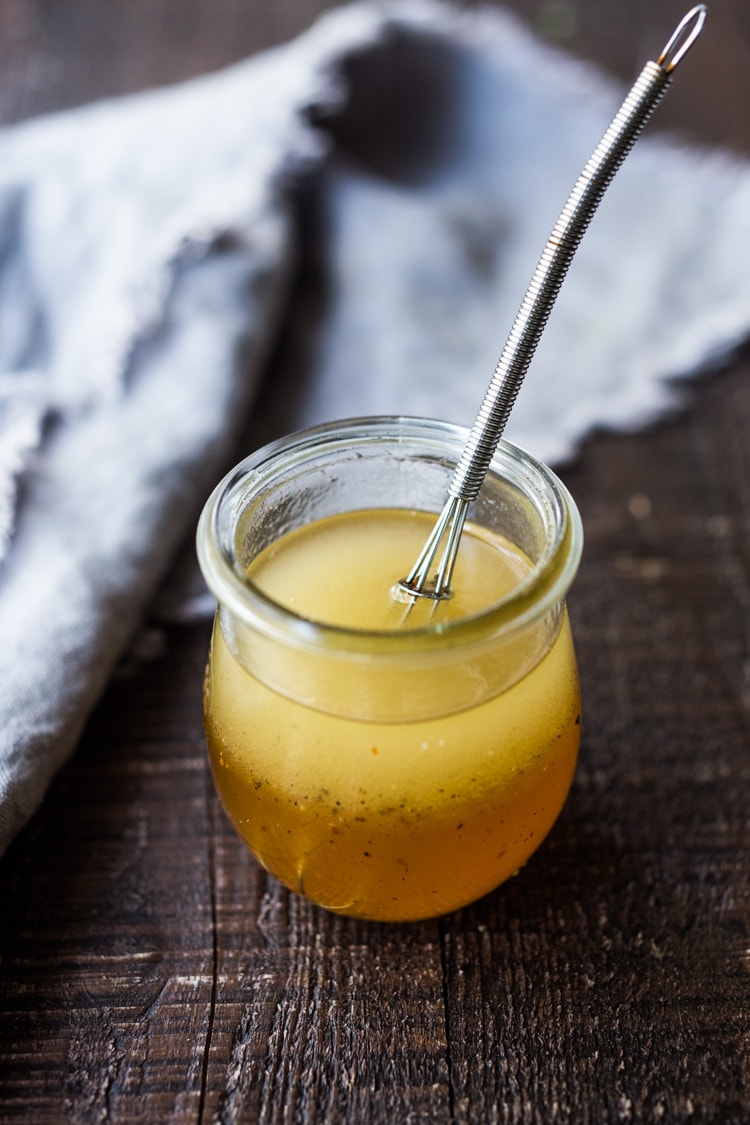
(429, 578)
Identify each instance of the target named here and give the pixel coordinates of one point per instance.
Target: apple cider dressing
(395, 819)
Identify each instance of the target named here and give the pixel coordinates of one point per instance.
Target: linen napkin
(409, 159)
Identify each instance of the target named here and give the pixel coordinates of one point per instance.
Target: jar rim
(545, 586)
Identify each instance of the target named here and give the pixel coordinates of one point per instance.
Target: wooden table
(152, 972)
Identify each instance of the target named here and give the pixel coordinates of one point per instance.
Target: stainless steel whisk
(644, 96)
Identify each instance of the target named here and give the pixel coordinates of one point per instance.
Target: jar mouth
(428, 440)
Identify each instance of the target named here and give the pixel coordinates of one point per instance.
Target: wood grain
(151, 972)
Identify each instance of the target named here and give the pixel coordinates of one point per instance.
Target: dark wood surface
(151, 972)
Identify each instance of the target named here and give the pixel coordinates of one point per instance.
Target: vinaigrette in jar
(388, 764)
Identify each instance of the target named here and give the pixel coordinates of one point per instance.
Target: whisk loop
(430, 578)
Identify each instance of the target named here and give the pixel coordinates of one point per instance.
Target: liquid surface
(341, 570)
(396, 820)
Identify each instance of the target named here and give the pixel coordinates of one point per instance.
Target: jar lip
(544, 586)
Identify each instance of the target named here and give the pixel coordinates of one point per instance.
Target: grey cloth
(410, 161)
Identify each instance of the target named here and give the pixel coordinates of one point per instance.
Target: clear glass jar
(390, 774)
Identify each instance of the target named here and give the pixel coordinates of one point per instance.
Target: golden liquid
(395, 820)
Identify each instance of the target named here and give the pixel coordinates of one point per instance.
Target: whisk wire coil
(531, 318)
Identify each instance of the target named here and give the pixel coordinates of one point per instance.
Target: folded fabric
(414, 158)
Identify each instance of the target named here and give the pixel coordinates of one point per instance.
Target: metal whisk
(537, 303)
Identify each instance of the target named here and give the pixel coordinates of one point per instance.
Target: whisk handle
(642, 99)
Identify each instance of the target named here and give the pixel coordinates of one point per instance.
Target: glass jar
(390, 774)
